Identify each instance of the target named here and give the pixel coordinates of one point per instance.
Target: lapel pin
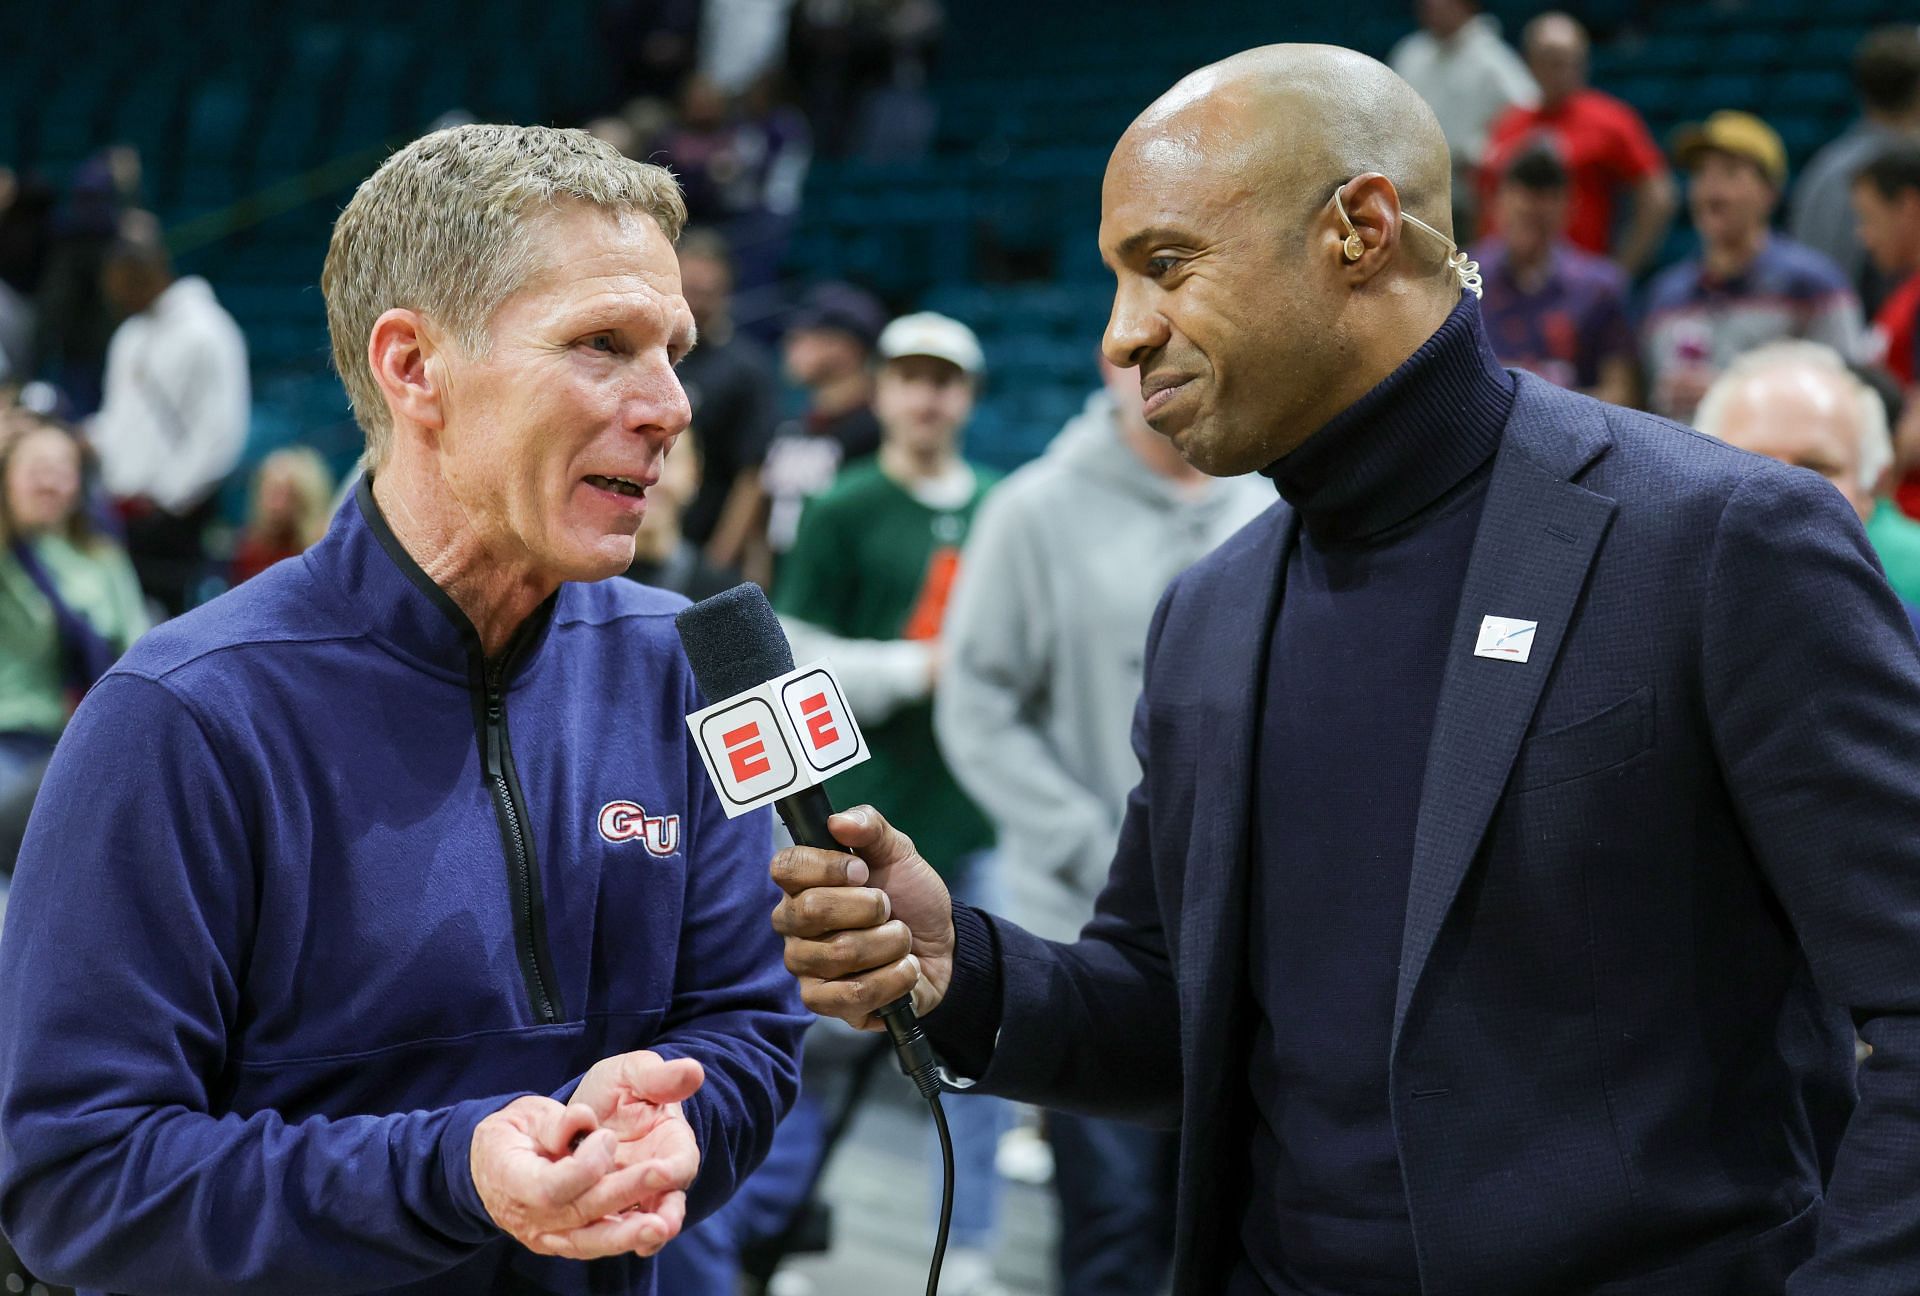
(1505, 639)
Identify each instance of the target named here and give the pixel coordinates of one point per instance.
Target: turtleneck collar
(1430, 425)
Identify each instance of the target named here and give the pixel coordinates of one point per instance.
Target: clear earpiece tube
(1464, 268)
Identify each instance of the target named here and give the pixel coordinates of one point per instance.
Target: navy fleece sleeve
(121, 975)
(1091, 1026)
(735, 1009)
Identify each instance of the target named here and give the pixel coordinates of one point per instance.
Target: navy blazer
(1656, 867)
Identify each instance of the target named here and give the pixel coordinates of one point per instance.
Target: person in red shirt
(1607, 147)
(292, 495)
(1886, 199)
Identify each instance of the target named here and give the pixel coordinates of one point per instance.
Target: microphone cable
(805, 815)
(734, 642)
(946, 1195)
(917, 1063)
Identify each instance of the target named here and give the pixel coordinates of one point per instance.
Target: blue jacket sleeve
(1812, 683)
(121, 975)
(1092, 1026)
(735, 1008)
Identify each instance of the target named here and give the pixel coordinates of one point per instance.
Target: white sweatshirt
(173, 419)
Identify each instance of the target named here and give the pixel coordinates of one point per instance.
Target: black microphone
(735, 643)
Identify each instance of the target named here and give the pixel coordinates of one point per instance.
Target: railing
(276, 199)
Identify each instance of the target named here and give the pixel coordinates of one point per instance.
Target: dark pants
(1116, 1186)
(23, 763)
(169, 552)
(706, 1259)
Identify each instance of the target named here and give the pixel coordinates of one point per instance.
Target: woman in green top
(69, 603)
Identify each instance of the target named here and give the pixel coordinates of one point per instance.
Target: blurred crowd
(827, 460)
(738, 96)
(1566, 198)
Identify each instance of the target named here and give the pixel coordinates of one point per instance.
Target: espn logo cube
(787, 734)
(819, 716)
(747, 751)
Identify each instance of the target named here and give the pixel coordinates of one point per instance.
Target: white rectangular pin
(1505, 639)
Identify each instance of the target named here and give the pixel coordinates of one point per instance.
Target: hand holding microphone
(876, 955)
(772, 735)
(864, 929)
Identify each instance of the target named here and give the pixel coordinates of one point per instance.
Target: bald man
(1528, 797)
(1609, 153)
(1798, 402)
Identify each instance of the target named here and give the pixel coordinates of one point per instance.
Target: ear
(400, 350)
(1373, 207)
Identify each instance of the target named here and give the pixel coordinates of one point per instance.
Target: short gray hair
(444, 228)
(1876, 442)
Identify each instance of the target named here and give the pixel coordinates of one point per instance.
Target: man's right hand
(864, 929)
(550, 1176)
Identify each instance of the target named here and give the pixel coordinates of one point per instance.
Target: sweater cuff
(473, 1223)
(963, 1029)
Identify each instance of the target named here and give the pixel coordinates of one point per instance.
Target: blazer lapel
(1233, 656)
(1537, 539)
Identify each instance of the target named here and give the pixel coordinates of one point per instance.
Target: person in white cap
(866, 585)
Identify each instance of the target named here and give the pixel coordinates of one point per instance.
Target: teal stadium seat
(1030, 98)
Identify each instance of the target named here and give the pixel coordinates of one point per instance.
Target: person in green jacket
(69, 602)
(865, 585)
(1798, 402)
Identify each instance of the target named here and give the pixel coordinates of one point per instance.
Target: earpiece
(1467, 271)
(1352, 248)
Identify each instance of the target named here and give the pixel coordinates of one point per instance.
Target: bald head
(1254, 311)
(1556, 48)
(1797, 402)
(1290, 122)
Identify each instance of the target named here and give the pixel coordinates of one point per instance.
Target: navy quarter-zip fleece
(312, 888)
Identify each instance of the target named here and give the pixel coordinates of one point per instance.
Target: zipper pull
(495, 764)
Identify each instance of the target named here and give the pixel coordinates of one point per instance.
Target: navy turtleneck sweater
(1389, 496)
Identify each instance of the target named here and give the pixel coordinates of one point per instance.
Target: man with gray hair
(376, 928)
(1799, 403)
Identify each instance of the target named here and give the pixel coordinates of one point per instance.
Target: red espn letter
(819, 721)
(746, 752)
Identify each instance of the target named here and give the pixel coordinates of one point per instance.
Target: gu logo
(624, 821)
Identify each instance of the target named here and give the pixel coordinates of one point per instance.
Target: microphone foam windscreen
(733, 641)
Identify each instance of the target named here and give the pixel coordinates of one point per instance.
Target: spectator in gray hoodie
(1042, 651)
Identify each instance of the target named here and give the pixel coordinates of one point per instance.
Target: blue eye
(602, 342)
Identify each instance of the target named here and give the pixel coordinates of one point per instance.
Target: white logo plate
(1505, 639)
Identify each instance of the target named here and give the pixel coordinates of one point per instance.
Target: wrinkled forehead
(592, 269)
(1206, 154)
(575, 243)
(1183, 179)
